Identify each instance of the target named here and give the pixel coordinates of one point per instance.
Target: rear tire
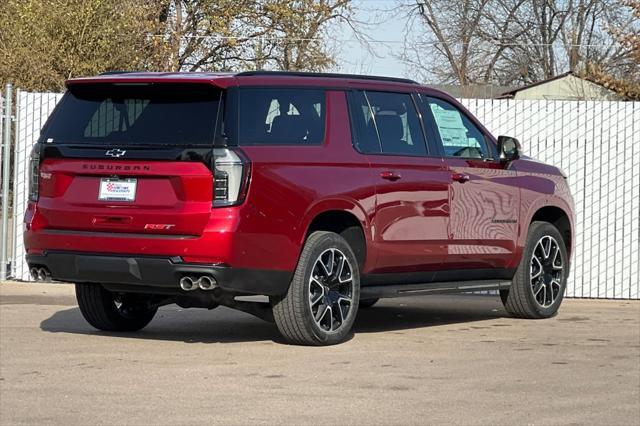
(320, 306)
(538, 286)
(109, 311)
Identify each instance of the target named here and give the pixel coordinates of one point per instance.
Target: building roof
(512, 93)
(476, 91)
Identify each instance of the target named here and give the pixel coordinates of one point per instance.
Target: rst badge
(159, 226)
(114, 189)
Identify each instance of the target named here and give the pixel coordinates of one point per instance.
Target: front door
(483, 195)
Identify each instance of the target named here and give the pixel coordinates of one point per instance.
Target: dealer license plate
(114, 189)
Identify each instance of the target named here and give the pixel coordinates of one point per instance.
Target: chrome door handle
(389, 175)
(460, 177)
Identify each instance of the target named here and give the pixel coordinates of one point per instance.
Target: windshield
(162, 114)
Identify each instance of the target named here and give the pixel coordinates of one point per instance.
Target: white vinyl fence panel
(597, 144)
(32, 110)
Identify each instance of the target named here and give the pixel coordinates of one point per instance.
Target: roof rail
(326, 75)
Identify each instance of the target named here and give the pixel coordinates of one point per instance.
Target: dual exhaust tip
(205, 282)
(40, 274)
(187, 283)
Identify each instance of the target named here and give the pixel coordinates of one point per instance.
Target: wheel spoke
(322, 310)
(537, 288)
(555, 283)
(316, 282)
(535, 258)
(554, 263)
(330, 264)
(341, 301)
(546, 248)
(342, 272)
(318, 297)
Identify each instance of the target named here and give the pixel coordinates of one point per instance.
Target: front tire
(539, 284)
(109, 311)
(321, 304)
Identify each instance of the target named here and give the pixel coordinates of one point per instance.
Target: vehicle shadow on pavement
(427, 311)
(171, 323)
(223, 325)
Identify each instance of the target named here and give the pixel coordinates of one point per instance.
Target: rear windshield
(281, 116)
(162, 114)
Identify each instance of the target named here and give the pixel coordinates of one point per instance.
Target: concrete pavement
(425, 360)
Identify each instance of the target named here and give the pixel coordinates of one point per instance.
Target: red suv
(323, 192)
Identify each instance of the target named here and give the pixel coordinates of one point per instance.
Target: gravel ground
(424, 360)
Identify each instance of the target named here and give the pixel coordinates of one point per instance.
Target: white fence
(32, 110)
(596, 143)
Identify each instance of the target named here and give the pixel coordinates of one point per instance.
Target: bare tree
(300, 32)
(514, 41)
(239, 34)
(453, 35)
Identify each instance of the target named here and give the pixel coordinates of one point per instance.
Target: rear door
(132, 158)
(483, 194)
(412, 212)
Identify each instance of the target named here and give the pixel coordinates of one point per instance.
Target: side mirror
(508, 148)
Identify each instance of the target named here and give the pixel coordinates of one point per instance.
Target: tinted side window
(363, 129)
(459, 136)
(281, 116)
(397, 123)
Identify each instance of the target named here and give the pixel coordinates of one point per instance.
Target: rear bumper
(155, 272)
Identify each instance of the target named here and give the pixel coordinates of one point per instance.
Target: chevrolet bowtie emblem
(115, 153)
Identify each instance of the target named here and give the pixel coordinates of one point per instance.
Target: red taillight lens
(34, 174)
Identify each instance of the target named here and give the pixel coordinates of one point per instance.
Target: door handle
(460, 177)
(389, 175)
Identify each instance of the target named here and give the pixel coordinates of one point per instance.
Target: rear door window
(391, 120)
(150, 114)
(363, 127)
(281, 116)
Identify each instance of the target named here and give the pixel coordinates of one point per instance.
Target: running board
(386, 291)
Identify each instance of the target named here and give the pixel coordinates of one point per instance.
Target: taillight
(230, 177)
(34, 173)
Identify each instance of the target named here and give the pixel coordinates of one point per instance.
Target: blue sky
(388, 27)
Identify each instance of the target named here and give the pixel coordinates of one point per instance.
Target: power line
(372, 41)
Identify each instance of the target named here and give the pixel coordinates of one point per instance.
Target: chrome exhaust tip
(207, 283)
(34, 273)
(188, 283)
(43, 274)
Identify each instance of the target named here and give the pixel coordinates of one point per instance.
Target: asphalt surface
(427, 360)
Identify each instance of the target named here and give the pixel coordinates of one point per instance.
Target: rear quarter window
(281, 116)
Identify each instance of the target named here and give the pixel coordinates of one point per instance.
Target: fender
(344, 204)
(532, 202)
